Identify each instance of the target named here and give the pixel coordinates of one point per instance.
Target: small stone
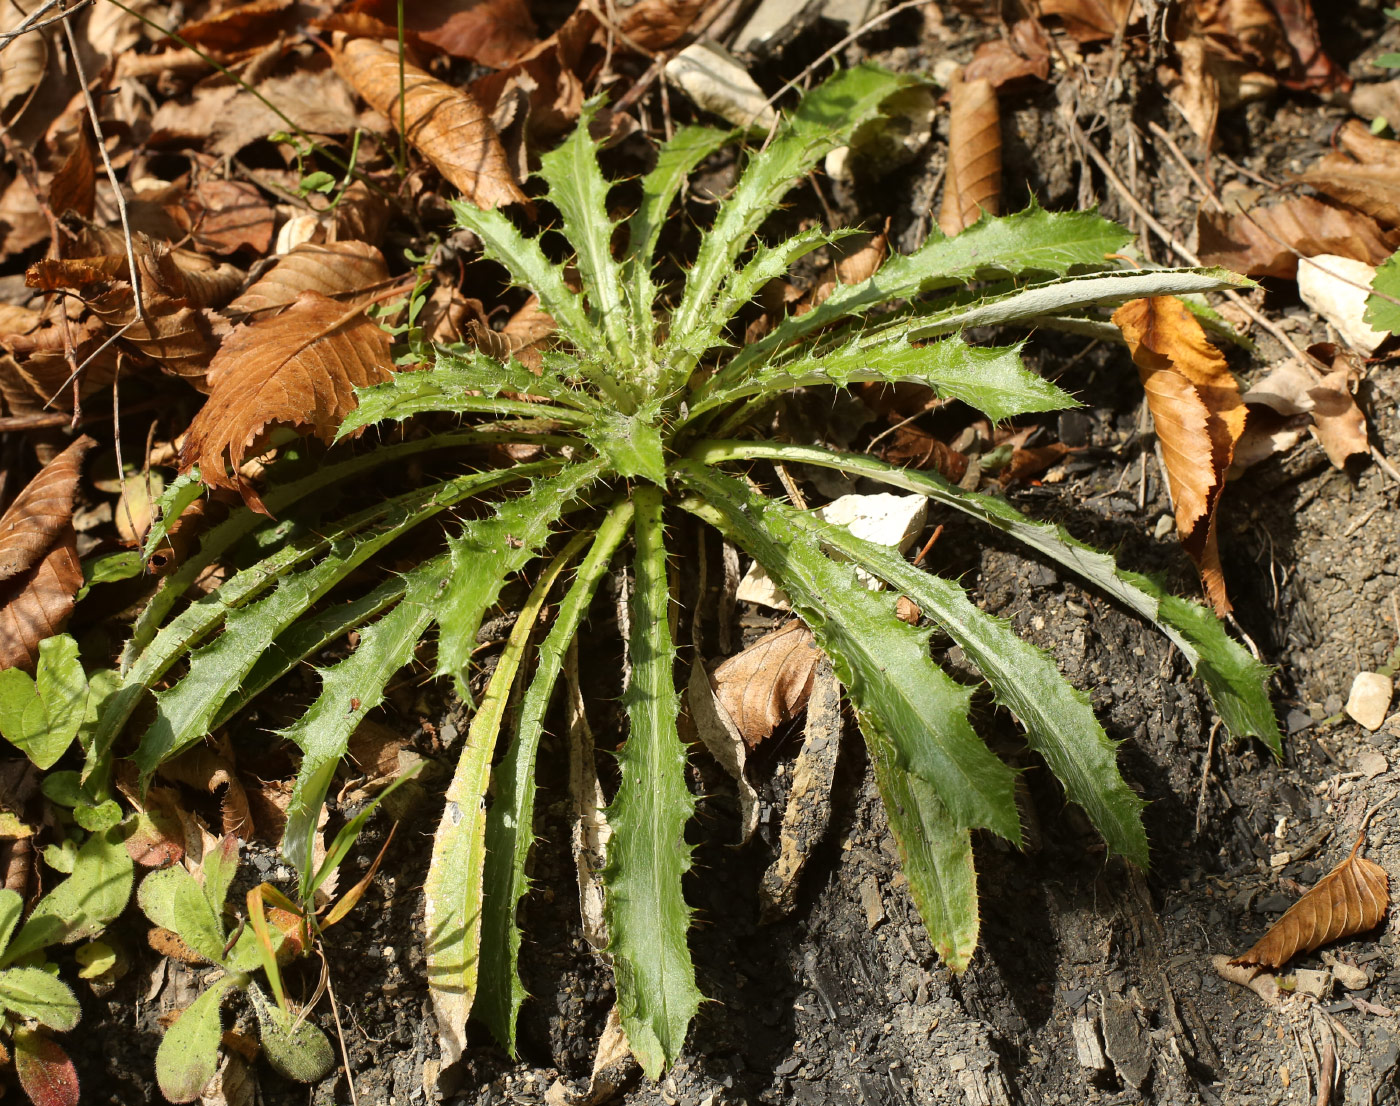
(871, 901)
(1369, 701)
(1310, 981)
(1371, 765)
(1350, 976)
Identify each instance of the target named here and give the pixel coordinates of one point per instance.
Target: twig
(1205, 777)
(1185, 163)
(1111, 175)
(339, 1029)
(1326, 1074)
(27, 24)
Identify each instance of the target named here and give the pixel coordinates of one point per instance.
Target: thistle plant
(644, 411)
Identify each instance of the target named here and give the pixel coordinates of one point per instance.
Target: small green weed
(648, 408)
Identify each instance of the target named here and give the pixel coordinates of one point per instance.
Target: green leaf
(898, 691)
(935, 854)
(185, 712)
(578, 190)
(350, 832)
(631, 443)
(648, 855)
(187, 487)
(675, 161)
(34, 993)
(1237, 683)
(125, 565)
(84, 903)
(1390, 60)
(488, 550)
(11, 909)
(1031, 241)
(293, 1045)
(823, 120)
(189, 1052)
(97, 959)
(453, 894)
(447, 388)
(530, 268)
(41, 716)
(174, 899)
(1059, 722)
(993, 380)
(96, 819)
(510, 821)
(1382, 313)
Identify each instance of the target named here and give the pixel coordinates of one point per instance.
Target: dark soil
(845, 1002)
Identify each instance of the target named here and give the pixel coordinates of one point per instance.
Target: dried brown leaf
(1199, 416)
(1312, 68)
(36, 604)
(1022, 55)
(334, 269)
(1373, 188)
(297, 369)
(1258, 243)
(22, 223)
(74, 186)
(207, 768)
(768, 683)
(443, 123)
(241, 27)
(26, 58)
(225, 216)
(491, 32)
(973, 181)
(1092, 20)
(1349, 899)
(911, 447)
(41, 512)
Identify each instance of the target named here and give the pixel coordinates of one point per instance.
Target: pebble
(1309, 981)
(1369, 701)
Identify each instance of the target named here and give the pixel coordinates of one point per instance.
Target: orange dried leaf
(769, 682)
(41, 511)
(1199, 415)
(491, 32)
(443, 123)
(1092, 20)
(973, 181)
(298, 369)
(334, 269)
(1267, 240)
(1349, 899)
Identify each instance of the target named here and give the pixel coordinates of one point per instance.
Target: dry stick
(1205, 777)
(1185, 163)
(339, 1029)
(27, 24)
(1327, 1074)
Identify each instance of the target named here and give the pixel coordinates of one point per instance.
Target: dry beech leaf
(1199, 416)
(41, 511)
(206, 768)
(26, 58)
(334, 269)
(36, 604)
(490, 32)
(1338, 423)
(1267, 240)
(1092, 20)
(444, 124)
(74, 186)
(1312, 68)
(240, 28)
(973, 182)
(1349, 899)
(225, 216)
(297, 369)
(1024, 54)
(768, 683)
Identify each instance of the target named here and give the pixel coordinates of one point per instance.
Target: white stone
(717, 83)
(1336, 288)
(1369, 701)
(883, 519)
(1310, 981)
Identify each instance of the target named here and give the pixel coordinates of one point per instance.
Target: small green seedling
(42, 714)
(193, 909)
(33, 1000)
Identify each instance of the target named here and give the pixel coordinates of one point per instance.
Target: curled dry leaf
(298, 369)
(1337, 421)
(1349, 899)
(1266, 241)
(39, 559)
(768, 683)
(335, 269)
(491, 32)
(208, 768)
(1199, 416)
(1312, 68)
(973, 181)
(1092, 20)
(1024, 54)
(74, 186)
(443, 123)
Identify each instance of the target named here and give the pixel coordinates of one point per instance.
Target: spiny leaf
(993, 380)
(1058, 719)
(510, 821)
(897, 690)
(488, 551)
(184, 712)
(675, 161)
(1351, 898)
(824, 120)
(297, 369)
(1238, 684)
(443, 123)
(1031, 241)
(647, 854)
(453, 893)
(578, 190)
